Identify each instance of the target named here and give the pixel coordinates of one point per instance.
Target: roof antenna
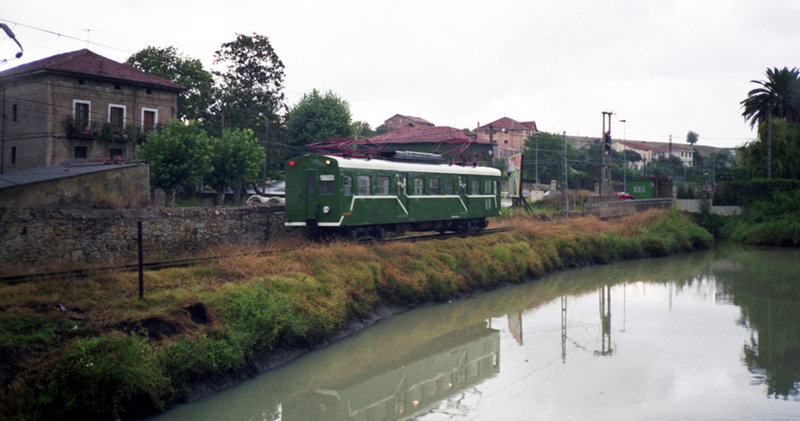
(11, 35)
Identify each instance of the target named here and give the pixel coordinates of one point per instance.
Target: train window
(488, 187)
(326, 184)
(448, 186)
(419, 186)
(495, 187)
(476, 187)
(347, 182)
(383, 184)
(434, 185)
(363, 185)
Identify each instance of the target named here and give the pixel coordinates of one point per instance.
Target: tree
(194, 103)
(236, 158)
(177, 155)
(778, 97)
(692, 137)
(786, 151)
(250, 89)
(382, 129)
(318, 117)
(550, 157)
(362, 129)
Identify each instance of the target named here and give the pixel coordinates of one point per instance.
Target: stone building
(78, 105)
(508, 134)
(399, 121)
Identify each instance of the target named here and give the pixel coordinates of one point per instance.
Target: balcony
(103, 131)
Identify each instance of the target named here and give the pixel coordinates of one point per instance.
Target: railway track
(190, 261)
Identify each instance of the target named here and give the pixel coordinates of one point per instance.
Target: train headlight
(326, 209)
(327, 162)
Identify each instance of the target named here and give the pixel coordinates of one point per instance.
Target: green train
(364, 199)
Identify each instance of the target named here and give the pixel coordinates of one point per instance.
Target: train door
(402, 194)
(462, 194)
(312, 178)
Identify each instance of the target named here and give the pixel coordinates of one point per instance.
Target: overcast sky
(666, 67)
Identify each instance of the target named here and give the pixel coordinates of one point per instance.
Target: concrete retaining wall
(48, 239)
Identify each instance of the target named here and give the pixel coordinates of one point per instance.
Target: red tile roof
(506, 123)
(424, 134)
(91, 65)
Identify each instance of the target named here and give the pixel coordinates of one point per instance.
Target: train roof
(380, 164)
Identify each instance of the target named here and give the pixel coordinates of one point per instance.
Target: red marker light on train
(291, 163)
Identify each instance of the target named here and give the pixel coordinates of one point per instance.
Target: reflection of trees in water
(767, 290)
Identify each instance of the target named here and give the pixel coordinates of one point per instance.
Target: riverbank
(91, 349)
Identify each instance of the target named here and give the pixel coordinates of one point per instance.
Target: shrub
(98, 378)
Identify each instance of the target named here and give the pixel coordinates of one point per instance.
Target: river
(712, 335)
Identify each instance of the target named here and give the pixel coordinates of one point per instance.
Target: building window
(149, 119)
(13, 155)
(638, 189)
(81, 152)
(383, 184)
(14, 113)
(363, 185)
(116, 116)
(81, 110)
(114, 152)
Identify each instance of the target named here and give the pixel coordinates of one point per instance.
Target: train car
(405, 191)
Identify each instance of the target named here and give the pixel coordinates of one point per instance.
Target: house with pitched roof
(508, 134)
(435, 139)
(684, 153)
(78, 105)
(399, 121)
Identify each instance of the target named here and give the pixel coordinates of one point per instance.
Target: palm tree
(778, 97)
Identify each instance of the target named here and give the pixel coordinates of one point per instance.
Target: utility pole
(605, 149)
(564, 194)
(536, 138)
(624, 157)
(670, 157)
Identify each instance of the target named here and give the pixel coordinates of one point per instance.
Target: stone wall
(36, 240)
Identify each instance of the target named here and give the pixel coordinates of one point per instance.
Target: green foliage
(177, 155)
(35, 331)
(235, 158)
(777, 98)
(785, 152)
(769, 221)
(550, 157)
(250, 88)
(195, 359)
(675, 233)
(99, 378)
(318, 117)
(362, 129)
(194, 102)
(692, 137)
(743, 193)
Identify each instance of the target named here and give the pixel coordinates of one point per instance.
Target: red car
(624, 195)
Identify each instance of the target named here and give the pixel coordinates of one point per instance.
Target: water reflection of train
(450, 364)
